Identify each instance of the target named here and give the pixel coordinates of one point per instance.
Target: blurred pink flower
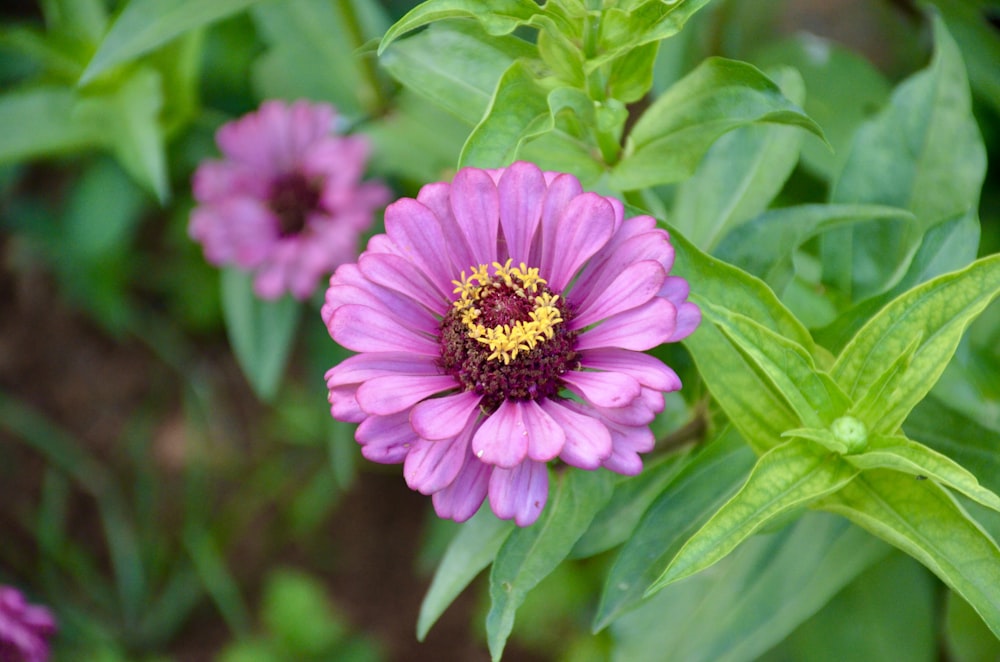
(24, 629)
(287, 201)
(501, 323)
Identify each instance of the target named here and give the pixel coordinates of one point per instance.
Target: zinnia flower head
(500, 324)
(24, 629)
(287, 201)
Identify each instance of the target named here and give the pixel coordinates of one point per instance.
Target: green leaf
(812, 394)
(474, 548)
(923, 520)
(739, 175)
(147, 24)
(672, 136)
(530, 554)
(632, 496)
(753, 405)
(86, 18)
(977, 38)
(937, 312)
(753, 599)
(705, 483)
(922, 153)
(897, 594)
(909, 457)
(296, 611)
(786, 478)
(624, 29)
(947, 246)
(128, 120)
(45, 124)
(313, 53)
(966, 636)
(498, 17)
(518, 111)
(764, 245)
(261, 332)
(455, 65)
(975, 447)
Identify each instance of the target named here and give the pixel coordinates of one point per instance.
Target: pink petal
(402, 276)
(688, 319)
(520, 493)
(562, 189)
(386, 439)
(460, 500)
(446, 417)
(416, 232)
(588, 442)
(639, 329)
(433, 465)
(502, 439)
(364, 329)
(602, 270)
(648, 370)
(360, 367)
(604, 389)
(390, 303)
(522, 193)
(584, 227)
(640, 411)
(394, 393)
(476, 206)
(437, 198)
(344, 405)
(545, 436)
(627, 443)
(635, 285)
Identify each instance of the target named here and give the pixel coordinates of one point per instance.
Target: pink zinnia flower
(24, 629)
(287, 202)
(501, 322)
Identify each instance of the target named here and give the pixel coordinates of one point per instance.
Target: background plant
(835, 449)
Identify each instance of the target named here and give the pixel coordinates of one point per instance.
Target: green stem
(375, 99)
(607, 142)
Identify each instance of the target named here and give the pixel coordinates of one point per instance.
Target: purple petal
(649, 370)
(502, 439)
(437, 198)
(433, 465)
(372, 296)
(361, 367)
(688, 319)
(364, 329)
(640, 411)
(522, 193)
(627, 443)
(604, 389)
(588, 442)
(639, 329)
(520, 493)
(634, 286)
(386, 439)
(344, 405)
(584, 227)
(561, 191)
(605, 267)
(545, 436)
(476, 206)
(446, 417)
(416, 232)
(460, 500)
(402, 276)
(394, 393)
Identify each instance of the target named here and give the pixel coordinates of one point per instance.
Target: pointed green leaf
(261, 332)
(530, 554)
(518, 111)
(812, 394)
(923, 520)
(147, 24)
(938, 312)
(498, 17)
(822, 436)
(623, 29)
(87, 18)
(882, 390)
(902, 454)
(947, 246)
(685, 504)
(45, 124)
(469, 552)
(632, 496)
(764, 245)
(753, 599)
(922, 153)
(739, 175)
(786, 478)
(750, 401)
(672, 136)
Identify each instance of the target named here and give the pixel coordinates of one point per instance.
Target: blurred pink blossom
(24, 629)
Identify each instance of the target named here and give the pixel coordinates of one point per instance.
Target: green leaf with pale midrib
(498, 17)
(787, 477)
(923, 520)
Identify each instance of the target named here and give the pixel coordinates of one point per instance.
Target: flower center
(506, 335)
(292, 198)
